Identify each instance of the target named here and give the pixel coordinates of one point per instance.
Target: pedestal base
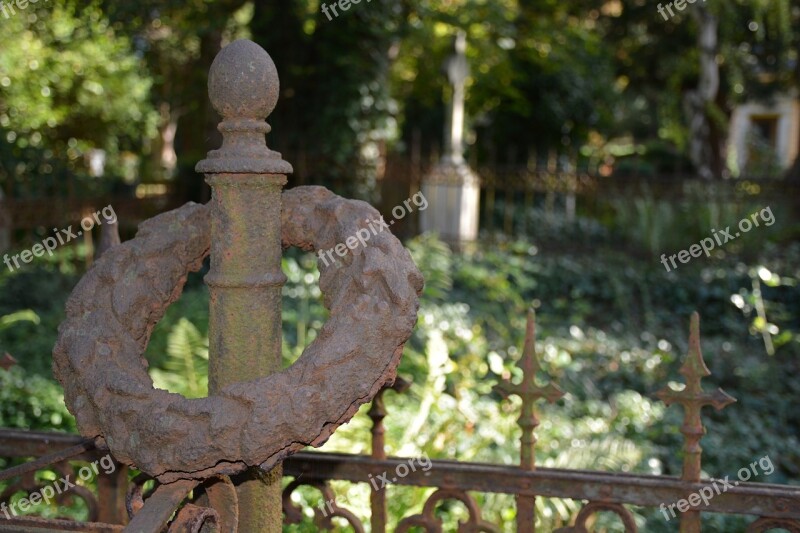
(453, 193)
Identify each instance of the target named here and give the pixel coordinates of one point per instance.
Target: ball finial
(243, 86)
(243, 82)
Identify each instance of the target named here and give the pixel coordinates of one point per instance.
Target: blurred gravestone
(452, 189)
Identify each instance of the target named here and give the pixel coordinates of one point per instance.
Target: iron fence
(118, 498)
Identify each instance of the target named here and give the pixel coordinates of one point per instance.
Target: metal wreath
(372, 294)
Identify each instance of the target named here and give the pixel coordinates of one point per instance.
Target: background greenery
(600, 81)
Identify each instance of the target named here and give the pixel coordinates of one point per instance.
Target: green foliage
(28, 401)
(433, 257)
(68, 84)
(303, 312)
(32, 304)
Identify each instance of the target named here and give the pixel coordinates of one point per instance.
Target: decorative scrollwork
(322, 519)
(595, 507)
(194, 519)
(27, 483)
(214, 502)
(766, 523)
(430, 523)
(219, 494)
(136, 496)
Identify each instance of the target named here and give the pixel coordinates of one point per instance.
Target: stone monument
(452, 188)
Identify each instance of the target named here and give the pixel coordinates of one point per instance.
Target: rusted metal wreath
(372, 294)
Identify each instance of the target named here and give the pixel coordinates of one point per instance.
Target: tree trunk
(701, 150)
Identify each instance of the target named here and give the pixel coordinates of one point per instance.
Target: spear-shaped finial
(693, 399)
(530, 392)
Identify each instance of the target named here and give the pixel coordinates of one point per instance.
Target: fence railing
(680, 499)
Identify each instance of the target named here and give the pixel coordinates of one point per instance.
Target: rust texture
(135, 495)
(194, 519)
(245, 280)
(243, 86)
(373, 298)
(693, 399)
(530, 393)
(256, 414)
(776, 505)
(109, 237)
(56, 452)
(113, 491)
(220, 495)
(159, 508)
(44, 461)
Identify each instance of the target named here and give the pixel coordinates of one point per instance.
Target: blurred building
(764, 137)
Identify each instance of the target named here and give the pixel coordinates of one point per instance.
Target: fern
(185, 370)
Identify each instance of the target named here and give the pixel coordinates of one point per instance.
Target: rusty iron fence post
(693, 399)
(245, 279)
(112, 490)
(377, 412)
(530, 393)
